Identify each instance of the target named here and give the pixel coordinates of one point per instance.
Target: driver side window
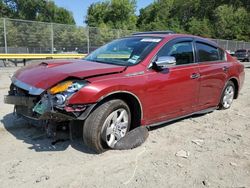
(182, 51)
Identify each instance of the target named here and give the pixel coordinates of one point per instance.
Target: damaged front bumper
(38, 104)
(25, 106)
(19, 100)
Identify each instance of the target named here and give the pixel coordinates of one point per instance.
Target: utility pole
(52, 38)
(5, 36)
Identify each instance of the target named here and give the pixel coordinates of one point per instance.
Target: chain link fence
(232, 45)
(19, 36)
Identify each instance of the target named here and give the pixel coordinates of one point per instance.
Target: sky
(79, 7)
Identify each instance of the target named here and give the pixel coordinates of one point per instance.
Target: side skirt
(181, 117)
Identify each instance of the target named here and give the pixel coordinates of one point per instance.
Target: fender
(86, 113)
(128, 92)
(236, 94)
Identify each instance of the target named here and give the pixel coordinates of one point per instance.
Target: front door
(173, 92)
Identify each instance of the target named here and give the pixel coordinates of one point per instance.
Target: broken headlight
(57, 95)
(62, 91)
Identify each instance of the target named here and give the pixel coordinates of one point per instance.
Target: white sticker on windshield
(150, 40)
(134, 59)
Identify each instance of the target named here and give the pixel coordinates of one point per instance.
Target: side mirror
(163, 62)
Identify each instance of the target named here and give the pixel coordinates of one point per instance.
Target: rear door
(213, 69)
(173, 92)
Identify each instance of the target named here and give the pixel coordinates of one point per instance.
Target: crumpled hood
(48, 73)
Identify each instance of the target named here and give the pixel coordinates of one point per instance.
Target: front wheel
(227, 96)
(106, 125)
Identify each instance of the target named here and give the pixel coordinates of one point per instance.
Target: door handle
(225, 68)
(195, 76)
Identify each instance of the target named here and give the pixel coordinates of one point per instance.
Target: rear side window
(207, 52)
(182, 51)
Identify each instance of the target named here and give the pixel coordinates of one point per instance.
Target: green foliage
(155, 16)
(25, 34)
(96, 14)
(116, 14)
(200, 27)
(37, 10)
(69, 37)
(36, 36)
(232, 23)
(225, 19)
(184, 11)
(5, 11)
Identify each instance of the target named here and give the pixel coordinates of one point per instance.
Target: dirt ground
(212, 150)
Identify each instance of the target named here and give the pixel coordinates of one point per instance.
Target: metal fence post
(5, 36)
(118, 33)
(52, 38)
(88, 42)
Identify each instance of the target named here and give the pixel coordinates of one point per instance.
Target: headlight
(67, 86)
(60, 87)
(64, 90)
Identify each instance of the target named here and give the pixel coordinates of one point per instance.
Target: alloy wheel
(228, 97)
(115, 127)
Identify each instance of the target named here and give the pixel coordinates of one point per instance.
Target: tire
(101, 128)
(227, 96)
(133, 139)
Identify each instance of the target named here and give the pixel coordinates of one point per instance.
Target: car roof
(154, 32)
(171, 36)
(242, 50)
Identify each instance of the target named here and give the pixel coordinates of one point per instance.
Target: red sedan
(142, 80)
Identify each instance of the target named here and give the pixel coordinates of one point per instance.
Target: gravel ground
(212, 150)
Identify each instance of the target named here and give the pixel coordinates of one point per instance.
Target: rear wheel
(106, 125)
(227, 96)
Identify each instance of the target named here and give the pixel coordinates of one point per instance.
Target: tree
(155, 16)
(96, 14)
(36, 36)
(49, 12)
(200, 27)
(69, 38)
(227, 19)
(116, 14)
(232, 23)
(5, 11)
(37, 10)
(184, 11)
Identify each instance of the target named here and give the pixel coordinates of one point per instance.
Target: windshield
(125, 51)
